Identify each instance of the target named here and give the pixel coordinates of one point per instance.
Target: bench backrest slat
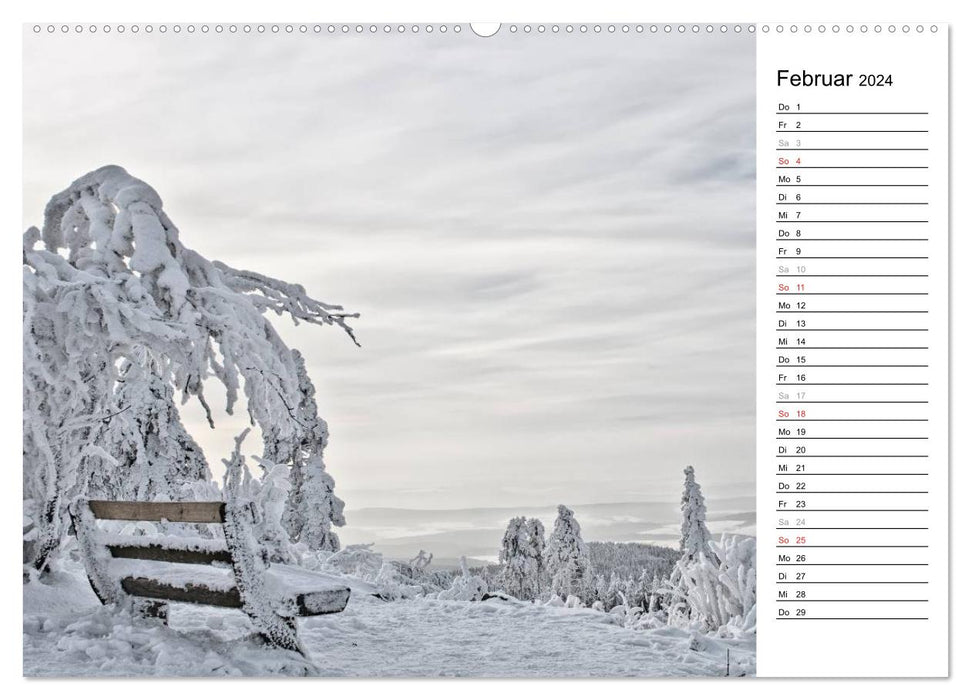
(181, 512)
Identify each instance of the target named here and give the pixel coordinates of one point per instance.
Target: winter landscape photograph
(390, 353)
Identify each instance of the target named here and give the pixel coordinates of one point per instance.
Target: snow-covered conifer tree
(657, 599)
(598, 589)
(696, 550)
(535, 544)
(695, 538)
(565, 557)
(614, 588)
(642, 591)
(630, 592)
(155, 458)
(312, 505)
(108, 280)
(514, 578)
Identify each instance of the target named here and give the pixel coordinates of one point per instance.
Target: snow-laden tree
(598, 588)
(695, 537)
(514, 576)
(154, 457)
(699, 563)
(312, 506)
(565, 557)
(614, 589)
(657, 599)
(107, 281)
(535, 545)
(643, 590)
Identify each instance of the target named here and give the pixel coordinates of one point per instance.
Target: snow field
(67, 633)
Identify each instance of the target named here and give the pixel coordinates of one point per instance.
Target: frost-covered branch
(267, 293)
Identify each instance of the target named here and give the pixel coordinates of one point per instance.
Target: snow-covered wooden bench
(147, 572)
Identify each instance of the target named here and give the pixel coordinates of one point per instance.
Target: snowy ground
(67, 633)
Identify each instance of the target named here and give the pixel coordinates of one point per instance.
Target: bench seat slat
(186, 593)
(157, 552)
(301, 604)
(297, 591)
(154, 511)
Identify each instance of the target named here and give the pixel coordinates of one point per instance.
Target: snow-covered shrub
(416, 575)
(392, 585)
(357, 560)
(420, 562)
(717, 592)
(392, 580)
(264, 497)
(467, 586)
(269, 494)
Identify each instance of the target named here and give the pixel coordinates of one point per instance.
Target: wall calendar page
(513, 350)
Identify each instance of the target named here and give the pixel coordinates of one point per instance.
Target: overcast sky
(550, 239)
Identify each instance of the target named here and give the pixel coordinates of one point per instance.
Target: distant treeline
(631, 559)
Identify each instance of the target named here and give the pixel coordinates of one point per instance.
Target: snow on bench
(147, 571)
(296, 591)
(182, 550)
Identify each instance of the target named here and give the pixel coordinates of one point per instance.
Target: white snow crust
(67, 633)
